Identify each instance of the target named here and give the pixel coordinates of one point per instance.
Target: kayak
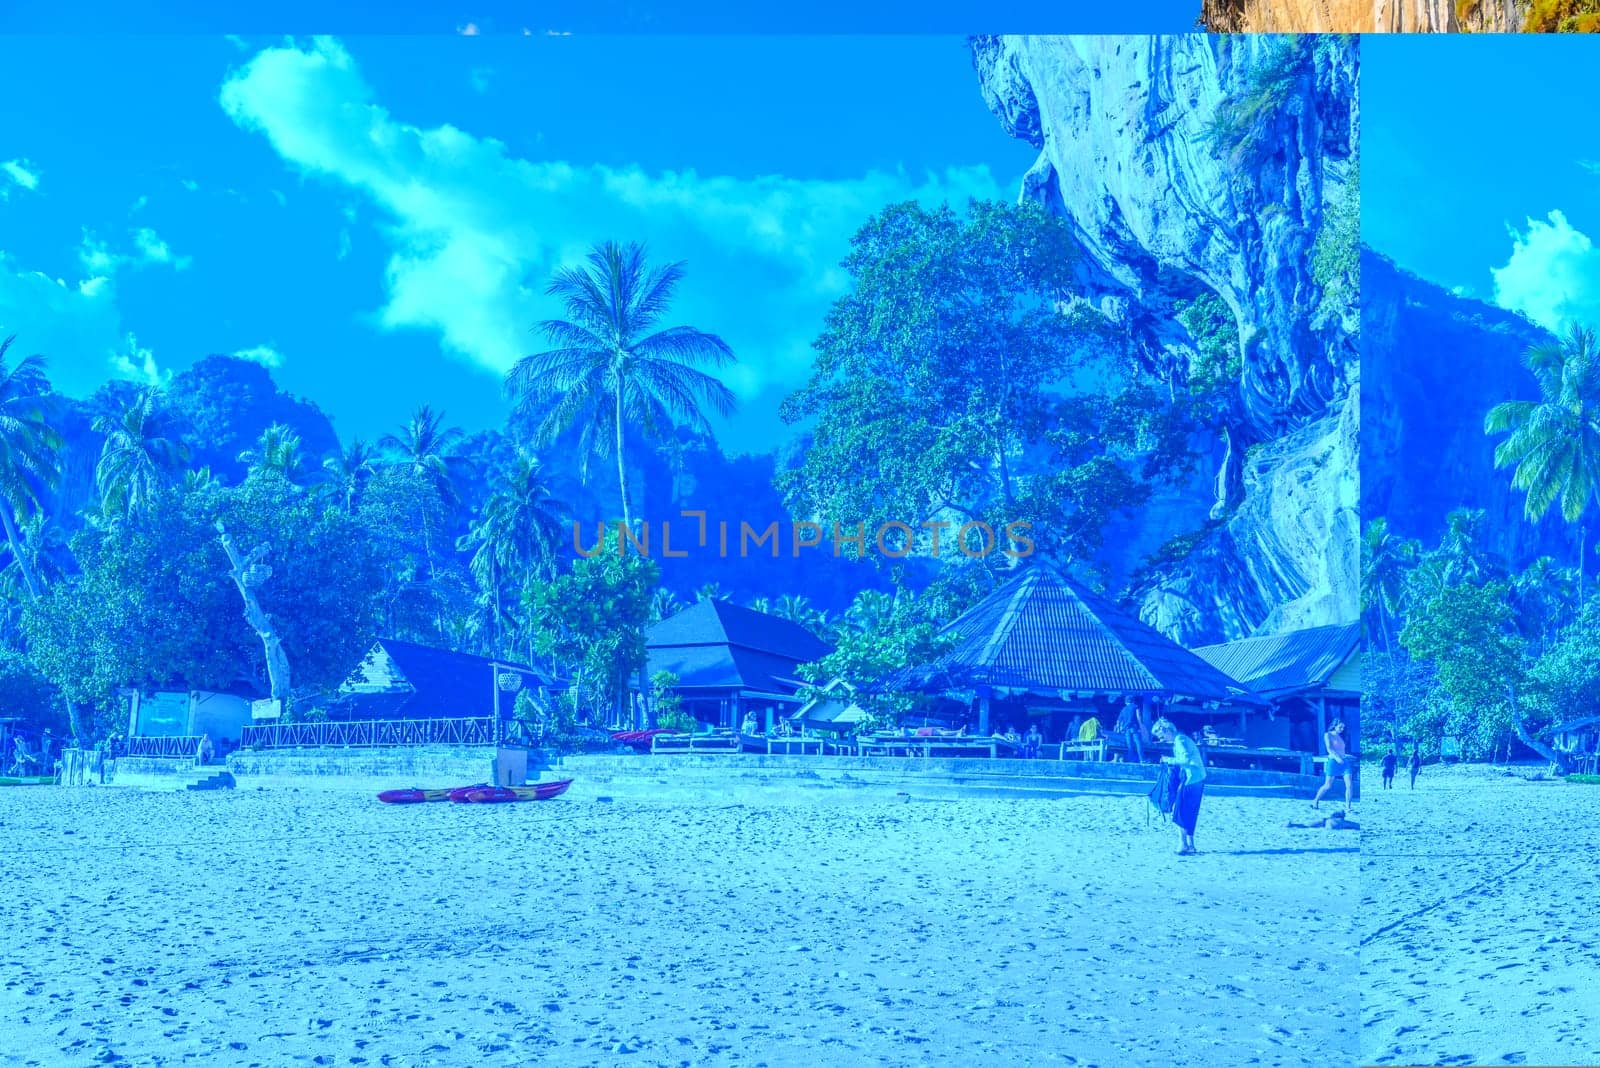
(481, 793)
(488, 795)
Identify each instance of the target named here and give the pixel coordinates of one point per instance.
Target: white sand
(313, 926)
(1481, 921)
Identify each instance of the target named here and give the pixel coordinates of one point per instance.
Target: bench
(695, 743)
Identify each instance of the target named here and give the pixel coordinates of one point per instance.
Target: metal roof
(1276, 664)
(1573, 726)
(715, 645)
(1044, 632)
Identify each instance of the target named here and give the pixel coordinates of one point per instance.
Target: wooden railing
(372, 732)
(177, 745)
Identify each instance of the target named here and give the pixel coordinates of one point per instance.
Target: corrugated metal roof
(1045, 632)
(1277, 664)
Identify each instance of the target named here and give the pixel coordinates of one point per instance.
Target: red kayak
(412, 797)
(488, 795)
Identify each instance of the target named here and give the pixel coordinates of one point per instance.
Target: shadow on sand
(1285, 852)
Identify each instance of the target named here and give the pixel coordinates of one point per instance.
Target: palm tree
(518, 532)
(711, 591)
(610, 368)
(1554, 442)
(276, 453)
(427, 448)
(1385, 560)
(663, 604)
(138, 456)
(28, 450)
(348, 470)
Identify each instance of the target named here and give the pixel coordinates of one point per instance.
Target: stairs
(220, 779)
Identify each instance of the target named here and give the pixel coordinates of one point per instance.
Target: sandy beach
(289, 926)
(1479, 921)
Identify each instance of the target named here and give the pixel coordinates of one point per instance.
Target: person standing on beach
(1185, 754)
(1388, 771)
(1339, 763)
(1416, 765)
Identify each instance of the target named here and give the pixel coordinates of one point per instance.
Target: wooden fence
(177, 745)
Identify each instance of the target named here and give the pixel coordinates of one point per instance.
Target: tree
(428, 448)
(1554, 442)
(593, 618)
(1468, 633)
(138, 457)
(348, 471)
(518, 533)
(940, 378)
(28, 448)
(277, 453)
(872, 647)
(611, 367)
(1385, 560)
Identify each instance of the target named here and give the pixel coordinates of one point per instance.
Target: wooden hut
(1045, 647)
(1309, 677)
(730, 659)
(1579, 741)
(399, 680)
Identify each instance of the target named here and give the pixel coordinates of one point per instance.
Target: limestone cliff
(1434, 364)
(1364, 16)
(1129, 155)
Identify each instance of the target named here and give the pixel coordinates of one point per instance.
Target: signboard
(163, 715)
(266, 708)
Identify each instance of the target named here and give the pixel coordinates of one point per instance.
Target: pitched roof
(1574, 726)
(442, 684)
(1045, 632)
(1276, 664)
(718, 645)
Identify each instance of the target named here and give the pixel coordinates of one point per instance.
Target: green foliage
(664, 698)
(154, 605)
(1245, 128)
(590, 622)
(25, 692)
(871, 646)
(1565, 682)
(1554, 443)
(1562, 16)
(1336, 255)
(1466, 631)
(1218, 362)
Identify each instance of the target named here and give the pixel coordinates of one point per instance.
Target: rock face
(1434, 364)
(1287, 16)
(1163, 216)
(1363, 16)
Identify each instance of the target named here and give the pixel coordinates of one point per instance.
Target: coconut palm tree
(1385, 560)
(1554, 442)
(139, 454)
(278, 453)
(428, 448)
(518, 532)
(28, 449)
(348, 470)
(610, 368)
(663, 604)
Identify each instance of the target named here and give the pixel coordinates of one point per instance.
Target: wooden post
(983, 716)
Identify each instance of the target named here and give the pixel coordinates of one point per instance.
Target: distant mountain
(1432, 365)
(224, 403)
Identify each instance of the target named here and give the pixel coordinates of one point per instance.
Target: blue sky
(376, 217)
(1481, 167)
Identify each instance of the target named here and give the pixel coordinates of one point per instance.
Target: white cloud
(480, 79)
(1590, 165)
(100, 259)
(1552, 275)
(139, 364)
(21, 173)
(475, 232)
(190, 184)
(76, 327)
(265, 355)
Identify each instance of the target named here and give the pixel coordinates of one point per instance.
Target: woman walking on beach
(1185, 754)
(1416, 765)
(1340, 762)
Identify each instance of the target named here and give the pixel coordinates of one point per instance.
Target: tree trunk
(622, 477)
(1533, 743)
(277, 659)
(31, 581)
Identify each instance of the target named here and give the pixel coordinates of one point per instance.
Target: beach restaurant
(1046, 649)
(729, 660)
(1310, 678)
